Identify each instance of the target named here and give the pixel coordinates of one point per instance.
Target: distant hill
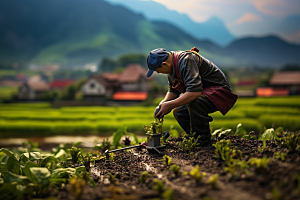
(212, 29)
(76, 32)
(263, 51)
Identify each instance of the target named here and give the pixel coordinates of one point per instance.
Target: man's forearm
(169, 96)
(184, 99)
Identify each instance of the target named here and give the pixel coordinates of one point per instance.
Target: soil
(278, 181)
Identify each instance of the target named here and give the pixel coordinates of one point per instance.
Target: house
(133, 78)
(61, 84)
(130, 85)
(32, 90)
(96, 89)
(286, 80)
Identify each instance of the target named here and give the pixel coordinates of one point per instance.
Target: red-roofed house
(268, 91)
(130, 85)
(287, 80)
(60, 84)
(32, 90)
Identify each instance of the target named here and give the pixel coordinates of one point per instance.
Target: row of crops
(40, 119)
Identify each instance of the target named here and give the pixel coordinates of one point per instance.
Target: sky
(246, 17)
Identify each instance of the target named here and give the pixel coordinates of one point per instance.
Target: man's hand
(165, 108)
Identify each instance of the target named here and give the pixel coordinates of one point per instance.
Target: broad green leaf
(76, 144)
(226, 132)
(60, 153)
(27, 171)
(64, 173)
(23, 159)
(33, 155)
(12, 164)
(7, 152)
(1, 181)
(240, 131)
(41, 175)
(117, 135)
(47, 160)
(80, 169)
(216, 132)
(12, 178)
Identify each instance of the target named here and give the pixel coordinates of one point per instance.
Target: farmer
(205, 90)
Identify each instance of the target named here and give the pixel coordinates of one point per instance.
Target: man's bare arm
(186, 98)
(169, 96)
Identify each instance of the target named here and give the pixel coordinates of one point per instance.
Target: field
(240, 164)
(40, 119)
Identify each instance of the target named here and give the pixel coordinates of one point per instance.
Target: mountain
(263, 51)
(77, 32)
(81, 31)
(213, 29)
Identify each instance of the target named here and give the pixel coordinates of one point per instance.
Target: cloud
(248, 17)
(277, 7)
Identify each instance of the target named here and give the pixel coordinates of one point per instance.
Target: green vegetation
(167, 160)
(144, 175)
(175, 169)
(28, 171)
(41, 119)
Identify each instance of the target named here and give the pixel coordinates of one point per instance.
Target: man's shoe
(202, 143)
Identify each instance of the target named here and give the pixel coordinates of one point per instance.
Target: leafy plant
(158, 186)
(291, 140)
(168, 194)
(112, 177)
(154, 128)
(167, 160)
(144, 175)
(189, 144)
(219, 132)
(261, 163)
(86, 161)
(75, 154)
(269, 134)
(212, 180)
(234, 165)
(196, 174)
(279, 155)
(122, 131)
(175, 169)
(105, 144)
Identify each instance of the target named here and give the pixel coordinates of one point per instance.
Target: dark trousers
(194, 118)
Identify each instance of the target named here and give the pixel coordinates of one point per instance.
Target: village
(130, 86)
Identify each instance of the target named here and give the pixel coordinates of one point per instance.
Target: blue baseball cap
(154, 60)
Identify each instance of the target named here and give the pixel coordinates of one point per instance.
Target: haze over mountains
(76, 32)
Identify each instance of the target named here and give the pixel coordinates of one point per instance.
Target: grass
(40, 119)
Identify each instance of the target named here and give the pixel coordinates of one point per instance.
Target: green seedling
(155, 125)
(158, 186)
(111, 156)
(196, 174)
(261, 163)
(291, 140)
(175, 169)
(75, 154)
(235, 165)
(86, 161)
(76, 187)
(122, 131)
(212, 180)
(188, 144)
(144, 175)
(105, 145)
(225, 152)
(168, 194)
(112, 177)
(167, 160)
(279, 155)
